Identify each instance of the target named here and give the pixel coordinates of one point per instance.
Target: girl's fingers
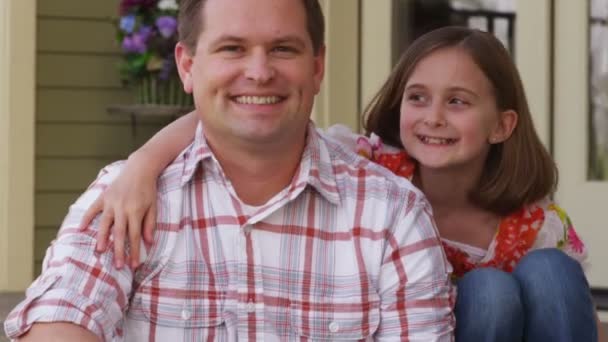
(150, 224)
(134, 240)
(119, 240)
(103, 230)
(92, 212)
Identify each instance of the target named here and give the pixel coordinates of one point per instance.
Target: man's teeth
(258, 100)
(437, 141)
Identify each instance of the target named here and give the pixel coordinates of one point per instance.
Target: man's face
(253, 73)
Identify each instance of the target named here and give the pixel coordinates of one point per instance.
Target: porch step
(7, 303)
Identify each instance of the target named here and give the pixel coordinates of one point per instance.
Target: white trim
(532, 56)
(603, 316)
(585, 201)
(376, 47)
(4, 148)
(17, 113)
(337, 101)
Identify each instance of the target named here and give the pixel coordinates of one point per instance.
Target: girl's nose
(435, 117)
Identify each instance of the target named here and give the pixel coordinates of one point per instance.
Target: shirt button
(250, 307)
(186, 315)
(334, 327)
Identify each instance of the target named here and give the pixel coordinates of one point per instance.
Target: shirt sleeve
(344, 135)
(417, 296)
(77, 284)
(558, 231)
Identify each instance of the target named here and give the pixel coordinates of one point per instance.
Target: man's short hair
(191, 23)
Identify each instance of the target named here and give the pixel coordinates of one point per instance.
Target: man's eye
(284, 49)
(231, 48)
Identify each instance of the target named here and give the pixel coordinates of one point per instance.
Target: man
(266, 230)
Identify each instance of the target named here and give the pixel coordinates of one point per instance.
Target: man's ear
(183, 60)
(319, 68)
(505, 126)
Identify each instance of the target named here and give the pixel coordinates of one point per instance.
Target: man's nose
(259, 68)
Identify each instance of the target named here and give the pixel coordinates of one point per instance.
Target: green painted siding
(76, 80)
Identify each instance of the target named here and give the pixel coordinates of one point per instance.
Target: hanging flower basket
(151, 90)
(147, 33)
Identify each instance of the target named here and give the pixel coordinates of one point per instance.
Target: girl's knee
(489, 294)
(489, 279)
(545, 265)
(549, 273)
(546, 260)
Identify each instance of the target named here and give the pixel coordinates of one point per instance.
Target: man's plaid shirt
(347, 251)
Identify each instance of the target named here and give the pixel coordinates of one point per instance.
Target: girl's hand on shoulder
(127, 206)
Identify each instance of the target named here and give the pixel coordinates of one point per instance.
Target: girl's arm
(131, 199)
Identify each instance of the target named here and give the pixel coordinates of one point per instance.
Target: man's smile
(258, 100)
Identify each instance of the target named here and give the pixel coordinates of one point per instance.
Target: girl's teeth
(437, 141)
(258, 100)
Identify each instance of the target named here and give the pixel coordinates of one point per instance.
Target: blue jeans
(546, 298)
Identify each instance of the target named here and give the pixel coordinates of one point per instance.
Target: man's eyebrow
(292, 39)
(227, 38)
(288, 39)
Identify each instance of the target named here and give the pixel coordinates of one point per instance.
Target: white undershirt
(476, 254)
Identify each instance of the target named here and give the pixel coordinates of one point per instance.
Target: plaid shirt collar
(316, 168)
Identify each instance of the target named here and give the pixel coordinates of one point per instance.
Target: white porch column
(17, 105)
(376, 47)
(338, 100)
(532, 56)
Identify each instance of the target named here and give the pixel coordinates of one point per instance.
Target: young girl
(453, 118)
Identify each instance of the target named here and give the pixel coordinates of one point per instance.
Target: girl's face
(449, 116)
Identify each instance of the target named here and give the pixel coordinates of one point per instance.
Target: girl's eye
(457, 101)
(415, 98)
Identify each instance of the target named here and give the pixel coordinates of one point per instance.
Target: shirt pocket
(178, 313)
(166, 297)
(345, 319)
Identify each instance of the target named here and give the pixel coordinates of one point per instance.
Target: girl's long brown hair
(518, 171)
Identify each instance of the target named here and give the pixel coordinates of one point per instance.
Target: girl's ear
(504, 128)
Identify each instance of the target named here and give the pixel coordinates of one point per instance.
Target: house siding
(76, 79)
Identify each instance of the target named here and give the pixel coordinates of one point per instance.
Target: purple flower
(137, 42)
(145, 32)
(127, 23)
(134, 44)
(166, 25)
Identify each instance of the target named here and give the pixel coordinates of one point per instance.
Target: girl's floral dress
(539, 225)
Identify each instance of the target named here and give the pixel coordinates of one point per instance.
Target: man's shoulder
(350, 166)
(169, 178)
(107, 174)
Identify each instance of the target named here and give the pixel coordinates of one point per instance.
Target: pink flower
(366, 147)
(574, 241)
